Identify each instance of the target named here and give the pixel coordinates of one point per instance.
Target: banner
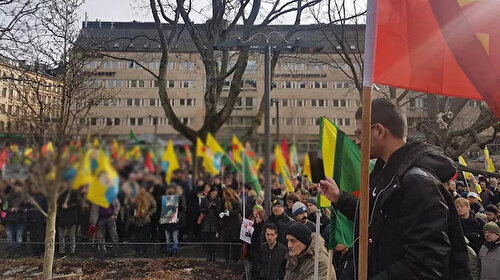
(169, 209)
(246, 231)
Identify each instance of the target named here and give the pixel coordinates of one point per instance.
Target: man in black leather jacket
(414, 228)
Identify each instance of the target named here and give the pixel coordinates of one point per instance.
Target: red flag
(188, 154)
(148, 162)
(284, 151)
(4, 158)
(447, 47)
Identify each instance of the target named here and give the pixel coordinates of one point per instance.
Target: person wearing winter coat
(271, 260)
(258, 216)
(14, 219)
(231, 223)
(37, 222)
(143, 207)
(279, 218)
(474, 263)
(104, 219)
(471, 225)
(172, 227)
(490, 252)
(301, 244)
(67, 217)
(210, 208)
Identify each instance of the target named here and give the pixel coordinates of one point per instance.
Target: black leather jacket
(414, 230)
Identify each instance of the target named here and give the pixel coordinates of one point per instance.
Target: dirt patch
(164, 268)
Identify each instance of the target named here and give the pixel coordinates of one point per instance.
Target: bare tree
(54, 94)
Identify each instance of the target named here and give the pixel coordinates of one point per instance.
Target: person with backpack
(414, 230)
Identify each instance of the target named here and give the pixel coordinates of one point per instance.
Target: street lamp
(155, 123)
(266, 47)
(276, 103)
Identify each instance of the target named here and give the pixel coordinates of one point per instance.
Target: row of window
(153, 65)
(144, 121)
(321, 103)
(144, 84)
(309, 121)
(15, 95)
(312, 84)
(149, 102)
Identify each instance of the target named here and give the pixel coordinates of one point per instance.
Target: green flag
(250, 172)
(134, 137)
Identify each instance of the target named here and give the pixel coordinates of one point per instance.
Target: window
(347, 84)
(140, 121)
(155, 83)
(303, 122)
(117, 121)
(186, 121)
(154, 65)
(137, 102)
(186, 65)
(319, 66)
(314, 103)
(300, 103)
(347, 122)
(109, 121)
(335, 103)
(129, 102)
(321, 103)
(337, 84)
(132, 121)
(273, 121)
(339, 122)
(316, 122)
(284, 102)
(249, 102)
(171, 84)
(141, 83)
(2, 108)
(4, 92)
(93, 121)
(170, 65)
(288, 121)
(131, 65)
(249, 84)
(187, 84)
(152, 102)
(302, 85)
(251, 67)
(11, 94)
(343, 103)
(319, 84)
(132, 83)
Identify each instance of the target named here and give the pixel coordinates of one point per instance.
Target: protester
(474, 262)
(304, 195)
(279, 218)
(105, 221)
(475, 205)
(211, 206)
(472, 226)
(172, 227)
(231, 223)
(451, 187)
(299, 211)
(36, 222)
(271, 261)
(485, 194)
(258, 216)
(414, 230)
(491, 212)
(312, 210)
(157, 191)
(67, 217)
(290, 199)
(14, 219)
(301, 244)
(490, 252)
(143, 207)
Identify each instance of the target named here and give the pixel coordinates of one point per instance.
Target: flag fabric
(237, 147)
(95, 143)
(285, 152)
(213, 155)
(114, 149)
(148, 162)
(188, 154)
(200, 148)
(104, 187)
(207, 157)
(446, 47)
(4, 157)
(83, 171)
(306, 171)
(169, 161)
(134, 154)
(281, 168)
(133, 136)
(467, 175)
(213, 145)
(342, 162)
(294, 159)
(47, 148)
(250, 172)
(488, 162)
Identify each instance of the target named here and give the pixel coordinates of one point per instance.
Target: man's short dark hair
(389, 115)
(271, 226)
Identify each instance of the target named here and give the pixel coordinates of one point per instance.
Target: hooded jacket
(415, 230)
(490, 261)
(301, 267)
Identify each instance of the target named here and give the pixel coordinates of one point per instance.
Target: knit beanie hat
(491, 208)
(491, 227)
(258, 207)
(298, 208)
(301, 232)
(312, 200)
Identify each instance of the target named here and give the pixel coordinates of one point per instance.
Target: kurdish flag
(306, 171)
(281, 168)
(250, 172)
(488, 162)
(83, 171)
(206, 155)
(342, 162)
(104, 186)
(169, 161)
(467, 175)
(294, 159)
(237, 148)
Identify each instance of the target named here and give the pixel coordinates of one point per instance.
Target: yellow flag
(282, 169)
(237, 147)
(467, 175)
(83, 171)
(169, 161)
(488, 162)
(96, 143)
(213, 145)
(306, 171)
(200, 148)
(104, 187)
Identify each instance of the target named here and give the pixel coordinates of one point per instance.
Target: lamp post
(276, 103)
(266, 47)
(154, 120)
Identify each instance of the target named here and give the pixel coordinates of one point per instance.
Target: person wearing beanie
(490, 252)
(299, 211)
(491, 212)
(211, 206)
(301, 242)
(312, 208)
(279, 218)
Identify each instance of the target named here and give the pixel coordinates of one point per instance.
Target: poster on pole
(246, 231)
(169, 209)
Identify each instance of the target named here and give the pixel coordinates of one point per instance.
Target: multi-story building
(303, 87)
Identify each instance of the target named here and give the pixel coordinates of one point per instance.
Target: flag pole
(364, 205)
(316, 249)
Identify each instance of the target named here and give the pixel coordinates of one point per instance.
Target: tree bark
(50, 236)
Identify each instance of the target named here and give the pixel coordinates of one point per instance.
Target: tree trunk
(50, 236)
